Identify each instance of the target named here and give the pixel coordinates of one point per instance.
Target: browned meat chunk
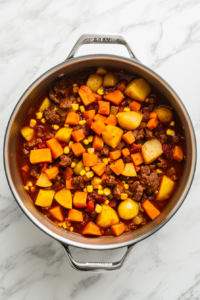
(53, 96)
(34, 173)
(146, 112)
(137, 190)
(94, 196)
(25, 152)
(148, 134)
(52, 117)
(110, 181)
(163, 138)
(162, 163)
(65, 161)
(117, 192)
(138, 134)
(105, 151)
(78, 182)
(175, 139)
(149, 181)
(174, 177)
(66, 102)
(33, 143)
(61, 87)
(127, 159)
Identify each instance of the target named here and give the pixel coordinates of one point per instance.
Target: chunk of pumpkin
(125, 152)
(109, 79)
(104, 107)
(43, 181)
(138, 89)
(115, 154)
(55, 147)
(56, 212)
(40, 155)
(107, 217)
(178, 153)
(80, 199)
(137, 158)
(151, 150)
(64, 198)
(86, 95)
(89, 160)
(78, 135)
(89, 114)
(111, 120)
(64, 134)
(166, 188)
(128, 137)
(129, 120)
(91, 229)
(52, 172)
(129, 170)
(150, 209)
(115, 97)
(27, 133)
(152, 123)
(72, 118)
(98, 127)
(97, 143)
(75, 215)
(45, 104)
(94, 82)
(78, 149)
(135, 106)
(165, 115)
(99, 168)
(117, 166)
(112, 135)
(44, 198)
(118, 229)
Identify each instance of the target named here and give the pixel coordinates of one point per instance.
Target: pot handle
(101, 39)
(96, 266)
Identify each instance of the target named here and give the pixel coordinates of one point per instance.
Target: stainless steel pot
(74, 64)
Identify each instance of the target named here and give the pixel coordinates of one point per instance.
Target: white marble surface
(36, 35)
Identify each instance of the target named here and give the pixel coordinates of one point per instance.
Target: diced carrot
(104, 176)
(98, 143)
(40, 156)
(137, 158)
(100, 117)
(80, 199)
(135, 106)
(150, 209)
(75, 215)
(104, 107)
(118, 229)
(152, 123)
(69, 185)
(111, 120)
(72, 118)
(178, 153)
(117, 166)
(122, 85)
(55, 147)
(128, 137)
(97, 96)
(153, 115)
(86, 95)
(99, 168)
(78, 149)
(98, 127)
(89, 160)
(115, 154)
(56, 212)
(91, 229)
(125, 152)
(52, 172)
(115, 97)
(89, 114)
(137, 168)
(78, 135)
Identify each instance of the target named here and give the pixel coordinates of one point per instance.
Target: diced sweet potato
(80, 199)
(118, 229)
(135, 106)
(43, 181)
(112, 135)
(72, 118)
(125, 152)
(78, 149)
(111, 120)
(89, 114)
(122, 85)
(86, 95)
(152, 123)
(166, 188)
(64, 134)
(151, 150)
(56, 212)
(98, 127)
(75, 215)
(68, 173)
(153, 115)
(129, 170)
(99, 168)
(55, 147)
(178, 153)
(117, 166)
(104, 107)
(115, 154)
(137, 158)
(91, 229)
(97, 143)
(98, 97)
(69, 185)
(150, 209)
(100, 117)
(78, 135)
(128, 137)
(40, 156)
(52, 172)
(64, 198)
(89, 160)
(27, 133)
(44, 198)
(115, 97)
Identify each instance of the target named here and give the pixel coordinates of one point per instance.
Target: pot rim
(6, 159)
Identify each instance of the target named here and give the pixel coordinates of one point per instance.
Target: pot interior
(14, 178)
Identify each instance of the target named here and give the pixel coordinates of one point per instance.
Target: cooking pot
(73, 64)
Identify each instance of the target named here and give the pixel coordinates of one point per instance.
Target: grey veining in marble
(35, 36)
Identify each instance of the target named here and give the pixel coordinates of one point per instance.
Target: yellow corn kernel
(100, 192)
(147, 100)
(126, 186)
(78, 99)
(106, 191)
(43, 120)
(108, 159)
(26, 188)
(82, 122)
(170, 132)
(85, 190)
(156, 192)
(82, 108)
(29, 183)
(75, 89)
(64, 225)
(124, 196)
(71, 143)
(100, 187)
(90, 174)
(91, 150)
(100, 91)
(55, 108)
(33, 189)
(86, 142)
(90, 188)
(39, 115)
(123, 182)
(73, 165)
(159, 171)
(66, 125)
(90, 138)
(107, 202)
(33, 123)
(66, 150)
(82, 172)
(71, 228)
(105, 161)
(87, 169)
(172, 123)
(75, 106)
(74, 84)
(56, 127)
(98, 208)
(126, 109)
(60, 224)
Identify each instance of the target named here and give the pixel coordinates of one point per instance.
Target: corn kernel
(75, 106)
(73, 165)
(106, 191)
(56, 127)
(147, 99)
(90, 188)
(82, 122)
(71, 228)
(100, 91)
(123, 182)
(60, 224)
(55, 108)
(39, 115)
(126, 109)
(29, 183)
(82, 108)
(90, 150)
(75, 89)
(170, 132)
(71, 143)
(90, 138)
(126, 186)
(87, 169)
(33, 189)
(90, 174)
(86, 142)
(108, 159)
(26, 188)
(82, 172)
(105, 161)
(159, 171)
(98, 208)
(66, 125)
(124, 196)
(43, 120)
(78, 99)
(172, 123)
(100, 187)
(66, 150)
(74, 84)
(64, 225)
(156, 192)
(85, 190)
(33, 123)
(107, 202)
(100, 192)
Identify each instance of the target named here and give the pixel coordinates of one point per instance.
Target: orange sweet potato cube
(56, 212)
(75, 215)
(104, 176)
(137, 158)
(72, 118)
(100, 117)
(89, 160)
(98, 127)
(125, 152)
(97, 143)
(91, 229)
(97, 96)
(78, 135)
(135, 106)
(115, 154)
(111, 120)
(40, 156)
(99, 168)
(115, 97)
(153, 115)
(178, 153)
(89, 114)
(128, 137)
(80, 199)
(55, 147)
(152, 123)
(104, 107)
(118, 229)
(122, 85)
(52, 172)
(117, 166)
(150, 209)
(69, 185)
(78, 149)
(87, 96)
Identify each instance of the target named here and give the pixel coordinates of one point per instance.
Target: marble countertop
(35, 36)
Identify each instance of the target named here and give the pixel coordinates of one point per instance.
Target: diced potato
(165, 115)
(43, 181)
(64, 134)
(112, 135)
(79, 167)
(27, 133)
(129, 120)
(101, 71)
(166, 188)
(138, 89)
(63, 112)
(113, 110)
(129, 170)
(44, 198)
(96, 181)
(128, 209)
(40, 155)
(45, 104)
(151, 150)
(64, 198)
(94, 82)
(109, 79)
(107, 217)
